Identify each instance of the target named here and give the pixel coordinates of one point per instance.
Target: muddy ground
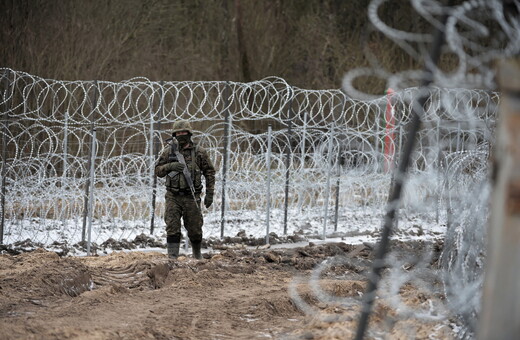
(143, 241)
(234, 294)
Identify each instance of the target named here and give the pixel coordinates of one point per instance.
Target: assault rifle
(176, 156)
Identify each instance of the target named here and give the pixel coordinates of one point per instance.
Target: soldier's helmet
(181, 125)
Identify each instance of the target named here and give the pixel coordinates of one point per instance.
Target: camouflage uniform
(179, 198)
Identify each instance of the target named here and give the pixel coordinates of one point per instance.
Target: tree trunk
(242, 52)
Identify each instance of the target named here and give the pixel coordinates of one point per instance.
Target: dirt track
(234, 295)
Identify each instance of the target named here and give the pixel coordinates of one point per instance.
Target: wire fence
(325, 147)
(283, 154)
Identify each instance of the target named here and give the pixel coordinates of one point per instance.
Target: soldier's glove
(208, 200)
(174, 166)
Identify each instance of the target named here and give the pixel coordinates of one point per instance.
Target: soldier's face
(183, 137)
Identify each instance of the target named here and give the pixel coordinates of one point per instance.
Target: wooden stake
(500, 316)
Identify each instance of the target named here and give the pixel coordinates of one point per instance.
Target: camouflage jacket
(203, 165)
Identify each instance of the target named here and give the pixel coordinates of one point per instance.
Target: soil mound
(40, 275)
(236, 294)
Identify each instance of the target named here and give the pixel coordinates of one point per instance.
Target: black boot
(195, 246)
(173, 250)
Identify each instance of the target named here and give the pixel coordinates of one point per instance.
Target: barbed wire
(50, 126)
(317, 134)
(477, 33)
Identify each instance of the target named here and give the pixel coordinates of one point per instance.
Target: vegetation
(311, 44)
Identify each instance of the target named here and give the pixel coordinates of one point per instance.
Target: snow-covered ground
(355, 225)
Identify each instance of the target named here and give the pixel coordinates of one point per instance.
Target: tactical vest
(178, 182)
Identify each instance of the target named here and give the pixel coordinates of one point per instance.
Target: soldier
(183, 163)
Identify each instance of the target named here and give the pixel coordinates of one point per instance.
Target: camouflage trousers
(183, 206)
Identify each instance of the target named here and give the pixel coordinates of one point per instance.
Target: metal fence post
(65, 150)
(7, 108)
(91, 193)
(336, 208)
(376, 142)
(155, 148)
(89, 165)
(396, 219)
(227, 128)
(400, 142)
(327, 189)
(288, 164)
(396, 190)
(439, 179)
(458, 137)
(338, 166)
(151, 146)
(304, 134)
(65, 147)
(268, 165)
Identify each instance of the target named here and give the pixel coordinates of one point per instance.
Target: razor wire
(49, 137)
(477, 33)
(50, 124)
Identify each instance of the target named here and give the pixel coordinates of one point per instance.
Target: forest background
(311, 43)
